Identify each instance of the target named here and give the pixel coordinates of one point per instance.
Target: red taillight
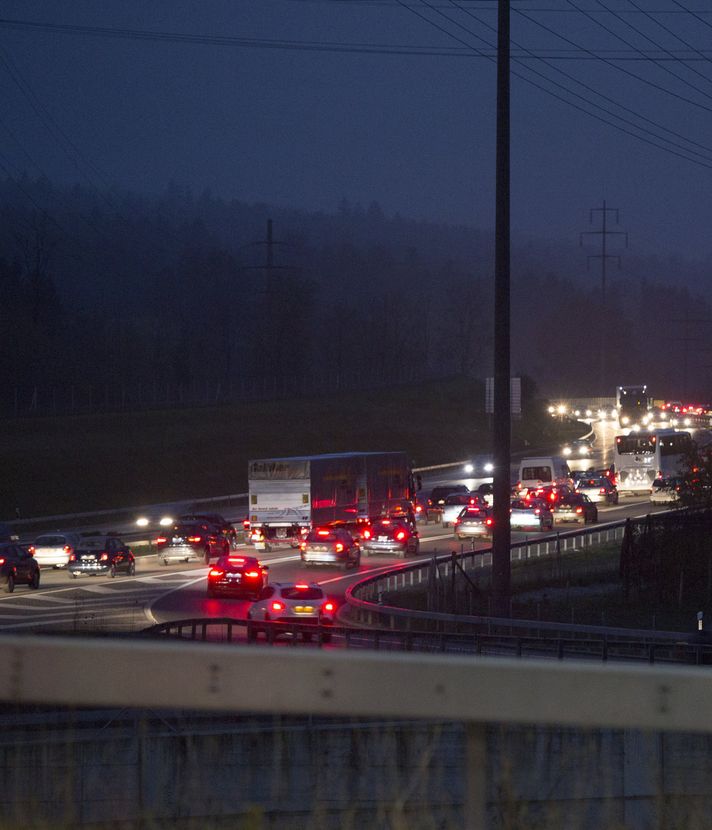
(236, 560)
(552, 496)
(252, 574)
(400, 536)
(2, 560)
(418, 508)
(457, 521)
(338, 547)
(31, 549)
(104, 557)
(489, 522)
(302, 545)
(301, 586)
(367, 534)
(385, 521)
(72, 557)
(277, 606)
(537, 512)
(246, 524)
(67, 549)
(195, 539)
(323, 532)
(161, 540)
(602, 491)
(579, 509)
(216, 572)
(256, 536)
(329, 606)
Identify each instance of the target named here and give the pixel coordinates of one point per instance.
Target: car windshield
(50, 541)
(520, 504)
(308, 592)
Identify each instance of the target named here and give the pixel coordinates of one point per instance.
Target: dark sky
(306, 127)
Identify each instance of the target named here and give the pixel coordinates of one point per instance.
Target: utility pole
(604, 256)
(501, 437)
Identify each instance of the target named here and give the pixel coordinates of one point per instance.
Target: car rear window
(536, 473)
(49, 541)
(92, 544)
(322, 536)
(461, 498)
(311, 592)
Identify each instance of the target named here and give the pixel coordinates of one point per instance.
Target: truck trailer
(288, 497)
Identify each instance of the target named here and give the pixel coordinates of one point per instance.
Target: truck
(633, 404)
(288, 497)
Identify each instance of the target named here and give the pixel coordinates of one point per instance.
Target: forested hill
(113, 288)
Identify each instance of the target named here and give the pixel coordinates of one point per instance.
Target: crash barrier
(469, 635)
(365, 598)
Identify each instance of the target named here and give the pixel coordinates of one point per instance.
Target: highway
(159, 594)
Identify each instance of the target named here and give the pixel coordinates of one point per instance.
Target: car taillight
(489, 522)
(457, 521)
(602, 491)
(104, 557)
(31, 549)
(216, 572)
(277, 606)
(338, 547)
(161, 540)
(579, 509)
(246, 524)
(72, 557)
(537, 512)
(400, 536)
(419, 508)
(323, 532)
(252, 574)
(367, 534)
(195, 539)
(302, 545)
(2, 560)
(329, 606)
(256, 536)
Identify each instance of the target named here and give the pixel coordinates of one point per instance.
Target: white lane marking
(148, 609)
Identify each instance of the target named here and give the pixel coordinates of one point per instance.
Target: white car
(665, 491)
(52, 550)
(530, 514)
(304, 603)
(454, 504)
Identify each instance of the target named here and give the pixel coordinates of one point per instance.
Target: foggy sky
(306, 128)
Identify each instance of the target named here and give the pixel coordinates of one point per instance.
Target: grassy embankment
(86, 462)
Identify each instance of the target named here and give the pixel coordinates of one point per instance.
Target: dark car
(101, 556)
(436, 500)
(17, 567)
(390, 536)
(237, 576)
(226, 528)
(577, 507)
(192, 540)
(330, 546)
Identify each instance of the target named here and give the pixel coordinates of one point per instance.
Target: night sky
(306, 126)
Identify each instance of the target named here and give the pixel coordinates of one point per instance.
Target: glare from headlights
(577, 412)
(663, 416)
(469, 468)
(552, 410)
(625, 420)
(165, 521)
(583, 450)
(489, 467)
(635, 428)
(602, 414)
(142, 521)
(613, 413)
(561, 410)
(567, 450)
(588, 413)
(687, 422)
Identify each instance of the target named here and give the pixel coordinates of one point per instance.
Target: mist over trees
(112, 297)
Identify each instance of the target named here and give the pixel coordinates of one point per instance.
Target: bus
(641, 457)
(633, 404)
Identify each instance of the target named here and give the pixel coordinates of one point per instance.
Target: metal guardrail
(364, 598)
(593, 642)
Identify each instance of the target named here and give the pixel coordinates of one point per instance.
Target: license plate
(178, 540)
(88, 559)
(281, 532)
(234, 577)
(304, 609)
(382, 538)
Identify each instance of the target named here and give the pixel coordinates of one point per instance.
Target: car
(531, 514)
(330, 546)
(291, 602)
(192, 540)
(598, 489)
(238, 576)
(454, 504)
(473, 521)
(101, 556)
(226, 528)
(17, 567)
(575, 507)
(578, 448)
(390, 536)
(486, 492)
(665, 491)
(550, 493)
(420, 510)
(436, 500)
(52, 550)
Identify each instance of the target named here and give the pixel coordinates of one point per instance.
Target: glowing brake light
(252, 574)
(104, 557)
(2, 560)
(72, 557)
(277, 606)
(237, 560)
(161, 540)
(302, 545)
(66, 549)
(195, 539)
(602, 491)
(216, 572)
(329, 606)
(301, 586)
(338, 547)
(489, 522)
(579, 509)
(367, 534)
(323, 532)
(400, 535)
(537, 512)
(31, 549)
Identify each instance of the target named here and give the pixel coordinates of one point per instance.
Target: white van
(540, 471)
